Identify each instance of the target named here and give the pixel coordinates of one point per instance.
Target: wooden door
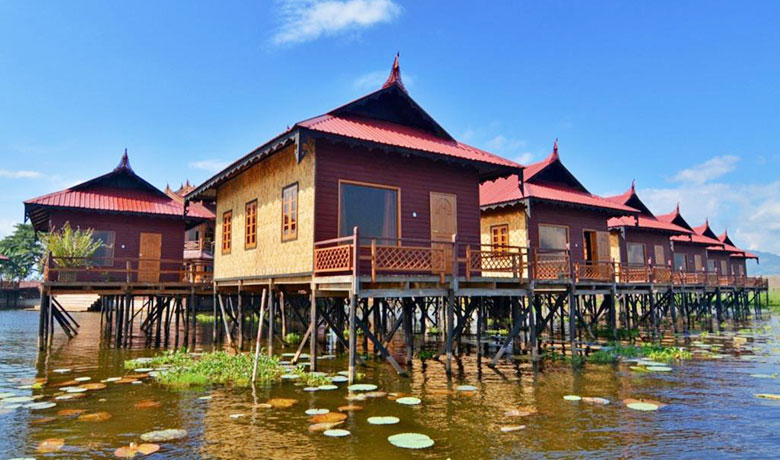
(444, 225)
(602, 246)
(149, 257)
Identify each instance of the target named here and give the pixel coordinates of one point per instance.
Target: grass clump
(665, 354)
(602, 357)
(218, 367)
(292, 338)
(616, 351)
(555, 357)
(204, 318)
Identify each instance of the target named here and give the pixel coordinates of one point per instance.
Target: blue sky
(681, 96)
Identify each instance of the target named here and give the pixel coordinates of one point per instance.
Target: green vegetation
(219, 367)
(74, 246)
(654, 352)
(622, 334)
(292, 338)
(425, 354)
(433, 330)
(555, 357)
(23, 250)
(204, 318)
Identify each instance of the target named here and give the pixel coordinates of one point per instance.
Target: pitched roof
(387, 118)
(645, 220)
(733, 249)
(547, 180)
(119, 191)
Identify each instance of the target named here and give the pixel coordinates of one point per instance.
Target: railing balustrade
(125, 269)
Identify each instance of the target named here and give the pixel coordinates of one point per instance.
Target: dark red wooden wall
(650, 239)
(691, 250)
(416, 177)
(577, 219)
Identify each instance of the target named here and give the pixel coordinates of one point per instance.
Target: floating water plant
(642, 406)
(164, 435)
(511, 428)
(350, 408)
(336, 433)
(388, 420)
(40, 405)
(135, 449)
(148, 404)
(466, 388)
(330, 417)
(411, 440)
(50, 445)
(319, 427)
(282, 403)
(408, 401)
(316, 411)
(362, 387)
(95, 417)
(768, 396)
(572, 398)
(328, 387)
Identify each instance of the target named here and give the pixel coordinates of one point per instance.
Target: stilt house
(551, 212)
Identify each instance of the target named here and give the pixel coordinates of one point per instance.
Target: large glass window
(636, 253)
(104, 256)
(680, 262)
(712, 265)
(553, 237)
(373, 209)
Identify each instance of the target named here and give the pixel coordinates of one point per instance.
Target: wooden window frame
(373, 185)
(493, 245)
(253, 244)
(655, 255)
(539, 235)
(290, 237)
(227, 243)
(644, 254)
(107, 261)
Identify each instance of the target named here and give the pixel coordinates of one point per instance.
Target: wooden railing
(634, 274)
(75, 270)
(408, 255)
(199, 245)
(661, 274)
(335, 255)
(551, 264)
(9, 285)
(496, 261)
(594, 271)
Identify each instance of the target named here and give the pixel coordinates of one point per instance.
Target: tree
(74, 247)
(23, 250)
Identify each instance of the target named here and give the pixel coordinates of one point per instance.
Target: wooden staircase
(77, 302)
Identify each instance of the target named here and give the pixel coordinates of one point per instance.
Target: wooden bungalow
(689, 251)
(718, 258)
(199, 238)
(141, 228)
(738, 257)
(641, 242)
(551, 212)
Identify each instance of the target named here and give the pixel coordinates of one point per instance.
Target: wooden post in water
(352, 338)
(259, 338)
(270, 320)
(214, 318)
(314, 329)
(193, 303)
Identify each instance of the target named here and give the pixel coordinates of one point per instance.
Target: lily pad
(61, 371)
(311, 389)
(328, 387)
(375, 394)
(40, 405)
(642, 406)
(147, 404)
(511, 428)
(316, 411)
(164, 435)
(350, 408)
(93, 386)
(362, 387)
(290, 377)
(112, 379)
(572, 398)
(318, 427)
(764, 376)
(388, 420)
(235, 416)
(50, 445)
(6, 395)
(83, 379)
(339, 379)
(336, 433)
(638, 369)
(282, 403)
(768, 396)
(70, 412)
(595, 400)
(466, 388)
(134, 449)
(355, 397)
(330, 417)
(95, 417)
(411, 440)
(17, 399)
(205, 398)
(143, 370)
(408, 401)
(659, 369)
(76, 390)
(522, 412)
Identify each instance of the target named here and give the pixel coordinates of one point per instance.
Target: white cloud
(305, 20)
(7, 227)
(509, 147)
(21, 174)
(212, 165)
(750, 212)
(709, 170)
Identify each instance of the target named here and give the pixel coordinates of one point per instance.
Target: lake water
(711, 409)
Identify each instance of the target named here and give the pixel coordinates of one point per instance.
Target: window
(724, 267)
(290, 212)
(553, 237)
(227, 231)
(250, 225)
(636, 253)
(712, 265)
(373, 209)
(697, 262)
(680, 262)
(104, 255)
(660, 257)
(499, 237)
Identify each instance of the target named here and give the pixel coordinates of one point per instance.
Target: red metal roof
(507, 190)
(697, 239)
(387, 133)
(646, 222)
(116, 200)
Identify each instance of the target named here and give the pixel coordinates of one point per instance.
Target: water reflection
(711, 412)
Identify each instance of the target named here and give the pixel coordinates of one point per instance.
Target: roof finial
(633, 185)
(124, 163)
(395, 75)
(555, 149)
(677, 210)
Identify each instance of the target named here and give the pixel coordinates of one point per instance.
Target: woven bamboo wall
(264, 182)
(515, 218)
(614, 246)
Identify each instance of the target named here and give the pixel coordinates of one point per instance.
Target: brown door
(444, 225)
(602, 246)
(149, 258)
